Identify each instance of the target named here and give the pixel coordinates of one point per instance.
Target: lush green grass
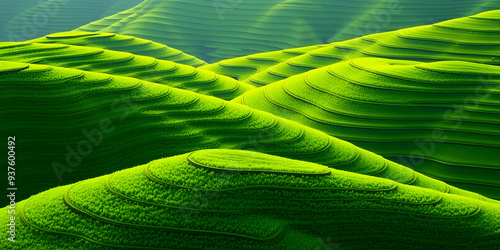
(79, 124)
(445, 115)
(122, 43)
(471, 39)
(244, 67)
(124, 64)
(216, 30)
(235, 161)
(279, 171)
(27, 19)
(389, 108)
(178, 203)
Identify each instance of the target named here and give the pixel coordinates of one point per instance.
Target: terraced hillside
(28, 19)
(243, 68)
(228, 199)
(472, 39)
(442, 118)
(124, 64)
(216, 30)
(122, 43)
(322, 124)
(75, 125)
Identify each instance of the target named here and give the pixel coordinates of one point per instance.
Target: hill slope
(27, 19)
(125, 64)
(472, 39)
(72, 125)
(243, 68)
(216, 30)
(122, 43)
(444, 115)
(227, 199)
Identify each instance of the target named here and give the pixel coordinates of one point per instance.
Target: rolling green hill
(216, 30)
(124, 64)
(444, 116)
(122, 43)
(28, 19)
(243, 68)
(73, 125)
(230, 199)
(472, 39)
(317, 124)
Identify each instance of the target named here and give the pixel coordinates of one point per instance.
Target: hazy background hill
(27, 19)
(220, 29)
(215, 30)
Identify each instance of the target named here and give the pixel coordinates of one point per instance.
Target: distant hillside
(216, 30)
(122, 43)
(127, 64)
(28, 19)
(229, 199)
(472, 39)
(76, 124)
(442, 118)
(243, 68)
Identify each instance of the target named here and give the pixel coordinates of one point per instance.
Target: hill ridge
(110, 114)
(390, 106)
(424, 43)
(100, 60)
(215, 31)
(259, 210)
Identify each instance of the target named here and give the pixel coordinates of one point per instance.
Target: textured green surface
(279, 171)
(122, 43)
(216, 30)
(124, 64)
(445, 115)
(77, 124)
(169, 203)
(228, 161)
(471, 39)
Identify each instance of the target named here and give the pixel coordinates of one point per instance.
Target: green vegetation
(391, 107)
(78, 124)
(216, 30)
(443, 115)
(234, 161)
(122, 43)
(471, 39)
(27, 19)
(124, 64)
(171, 203)
(370, 139)
(244, 67)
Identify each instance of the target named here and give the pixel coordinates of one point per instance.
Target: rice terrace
(250, 124)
